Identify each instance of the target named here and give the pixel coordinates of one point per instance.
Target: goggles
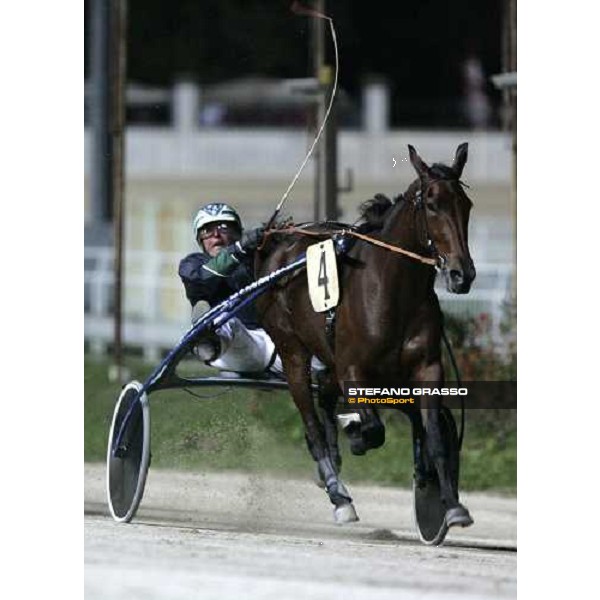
(220, 228)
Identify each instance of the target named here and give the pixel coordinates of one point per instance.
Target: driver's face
(218, 235)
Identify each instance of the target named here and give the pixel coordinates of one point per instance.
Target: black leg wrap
(421, 474)
(337, 458)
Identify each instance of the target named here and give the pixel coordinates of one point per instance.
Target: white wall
(267, 154)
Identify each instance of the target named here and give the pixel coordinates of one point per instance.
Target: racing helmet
(213, 213)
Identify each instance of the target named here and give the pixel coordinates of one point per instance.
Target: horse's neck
(404, 229)
(401, 226)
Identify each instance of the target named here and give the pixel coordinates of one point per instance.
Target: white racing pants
(245, 350)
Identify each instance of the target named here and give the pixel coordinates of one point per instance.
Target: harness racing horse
(388, 327)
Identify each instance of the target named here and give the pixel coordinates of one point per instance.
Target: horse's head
(440, 197)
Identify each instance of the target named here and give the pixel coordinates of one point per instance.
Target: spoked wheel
(127, 465)
(429, 510)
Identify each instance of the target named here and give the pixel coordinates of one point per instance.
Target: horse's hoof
(345, 513)
(458, 515)
(373, 434)
(357, 446)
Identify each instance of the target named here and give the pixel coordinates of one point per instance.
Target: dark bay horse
(388, 323)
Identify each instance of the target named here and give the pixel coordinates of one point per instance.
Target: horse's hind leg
(297, 368)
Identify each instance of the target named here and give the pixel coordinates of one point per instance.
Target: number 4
(323, 279)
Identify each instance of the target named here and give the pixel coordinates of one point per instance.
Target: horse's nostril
(456, 276)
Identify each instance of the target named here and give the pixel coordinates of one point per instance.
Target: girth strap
(330, 327)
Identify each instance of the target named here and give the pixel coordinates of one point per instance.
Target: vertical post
(510, 65)
(326, 156)
(118, 79)
(318, 50)
(330, 149)
(101, 171)
(513, 111)
(376, 105)
(186, 105)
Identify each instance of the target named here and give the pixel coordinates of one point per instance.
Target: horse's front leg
(431, 375)
(297, 365)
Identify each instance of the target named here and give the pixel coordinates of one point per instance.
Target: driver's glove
(250, 241)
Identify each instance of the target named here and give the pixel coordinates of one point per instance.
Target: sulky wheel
(127, 464)
(429, 511)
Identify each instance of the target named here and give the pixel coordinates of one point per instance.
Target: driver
(222, 267)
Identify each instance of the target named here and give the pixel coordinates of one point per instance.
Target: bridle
(418, 202)
(430, 247)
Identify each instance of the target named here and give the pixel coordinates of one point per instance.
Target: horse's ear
(460, 159)
(417, 162)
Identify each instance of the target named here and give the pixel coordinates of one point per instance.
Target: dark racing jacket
(215, 279)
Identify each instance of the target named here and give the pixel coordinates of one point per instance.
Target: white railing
(156, 311)
(488, 296)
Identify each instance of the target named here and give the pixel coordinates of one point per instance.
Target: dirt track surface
(229, 535)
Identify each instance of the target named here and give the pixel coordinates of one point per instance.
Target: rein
(397, 249)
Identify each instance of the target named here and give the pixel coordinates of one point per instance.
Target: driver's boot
(208, 346)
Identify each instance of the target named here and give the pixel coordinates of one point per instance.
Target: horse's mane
(375, 210)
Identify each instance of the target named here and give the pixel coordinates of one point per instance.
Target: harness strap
(271, 360)
(330, 327)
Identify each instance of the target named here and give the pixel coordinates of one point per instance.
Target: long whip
(299, 9)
